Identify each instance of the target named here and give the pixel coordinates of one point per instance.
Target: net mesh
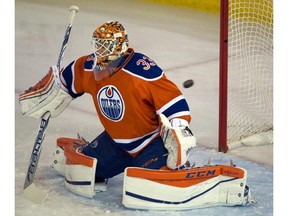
(250, 68)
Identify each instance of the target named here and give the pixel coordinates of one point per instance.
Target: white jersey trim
(143, 145)
(63, 84)
(128, 141)
(178, 114)
(73, 79)
(143, 78)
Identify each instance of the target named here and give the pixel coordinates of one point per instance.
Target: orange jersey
(128, 102)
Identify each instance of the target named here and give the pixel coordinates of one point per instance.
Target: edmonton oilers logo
(111, 103)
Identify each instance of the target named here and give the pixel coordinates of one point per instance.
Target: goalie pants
(112, 159)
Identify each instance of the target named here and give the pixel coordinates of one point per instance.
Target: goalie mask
(109, 42)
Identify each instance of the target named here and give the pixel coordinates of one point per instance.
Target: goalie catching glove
(46, 95)
(178, 140)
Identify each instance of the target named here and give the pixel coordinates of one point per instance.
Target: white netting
(250, 68)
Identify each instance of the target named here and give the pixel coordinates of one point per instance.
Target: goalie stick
(73, 10)
(30, 190)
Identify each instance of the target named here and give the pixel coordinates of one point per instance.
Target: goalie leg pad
(184, 189)
(80, 179)
(78, 169)
(59, 159)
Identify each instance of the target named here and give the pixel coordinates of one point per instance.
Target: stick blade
(34, 194)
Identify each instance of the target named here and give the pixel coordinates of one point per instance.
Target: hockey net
(246, 73)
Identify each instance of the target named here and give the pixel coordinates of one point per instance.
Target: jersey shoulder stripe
(67, 80)
(143, 67)
(77, 68)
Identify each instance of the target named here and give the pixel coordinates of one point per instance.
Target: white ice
(183, 42)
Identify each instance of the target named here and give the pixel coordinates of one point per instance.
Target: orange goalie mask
(109, 41)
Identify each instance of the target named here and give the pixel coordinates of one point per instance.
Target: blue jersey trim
(143, 67)
(67, 74)
(179, 106)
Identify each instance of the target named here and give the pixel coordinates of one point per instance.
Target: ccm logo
(204, 173)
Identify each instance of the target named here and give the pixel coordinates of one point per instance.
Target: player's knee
(154, 156)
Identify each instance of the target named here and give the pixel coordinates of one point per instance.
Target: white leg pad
(59, 160)
(77, 176)
(194, 188)
(80, 179)
(78, 169)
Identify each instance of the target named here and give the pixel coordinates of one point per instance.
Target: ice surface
(183, 42)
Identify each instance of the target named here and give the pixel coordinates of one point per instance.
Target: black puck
(188, 83)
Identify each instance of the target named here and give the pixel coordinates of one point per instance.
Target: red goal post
(246, 73)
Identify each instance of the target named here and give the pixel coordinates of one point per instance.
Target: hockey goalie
(146, 131)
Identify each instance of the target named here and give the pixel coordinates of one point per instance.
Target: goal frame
(223, 77)
(261, 135)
